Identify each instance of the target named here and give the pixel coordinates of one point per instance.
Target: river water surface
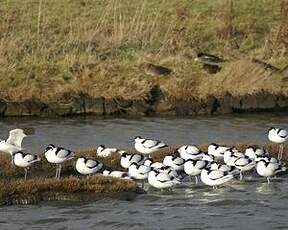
(251, 204)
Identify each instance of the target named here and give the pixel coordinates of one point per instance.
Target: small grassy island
(128, 57)
(41, 185)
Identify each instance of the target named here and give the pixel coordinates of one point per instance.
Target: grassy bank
(41, 185)
(54, 50)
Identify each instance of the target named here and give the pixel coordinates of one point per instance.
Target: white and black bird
(244, 164)
(102, 151)
(278, 136)
(208, 157)
(223, 167)
(253, 152)
(270, 160)
(14, 142)
(217, 151)
(117, 174)
(86, 166)
(161, 180)
(194, 167)
(175, 162)
(231, 155)
(170, 171)
(25, 160)
(269, 169)
(215, 177)
(58, 155)
(139, 172)
(127, 159)
(189, 152)
(150, 162)
(147, 146)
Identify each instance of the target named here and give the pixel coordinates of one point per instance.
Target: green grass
(99, 47)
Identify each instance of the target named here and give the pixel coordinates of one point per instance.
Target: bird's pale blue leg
(268, 180)
(26, 172)
(12, 159)
(241, 176)
(196, 179)
(56, 176)
(59, 172)
(281, 151)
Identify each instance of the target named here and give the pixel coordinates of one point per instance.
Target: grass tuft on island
(70, 188)
(41, 185)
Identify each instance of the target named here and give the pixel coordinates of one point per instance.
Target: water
(240, 205)
(88, 133)
(253, 205)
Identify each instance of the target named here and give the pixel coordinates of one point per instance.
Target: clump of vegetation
(53, 50)
(34, 189)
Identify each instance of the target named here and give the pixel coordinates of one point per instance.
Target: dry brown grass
(53, 48)
(243, 77)
(13, 191)
(97, 184)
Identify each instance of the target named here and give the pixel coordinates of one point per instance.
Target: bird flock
(219, 165)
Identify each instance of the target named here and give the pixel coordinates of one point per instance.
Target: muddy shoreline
(154, 103)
